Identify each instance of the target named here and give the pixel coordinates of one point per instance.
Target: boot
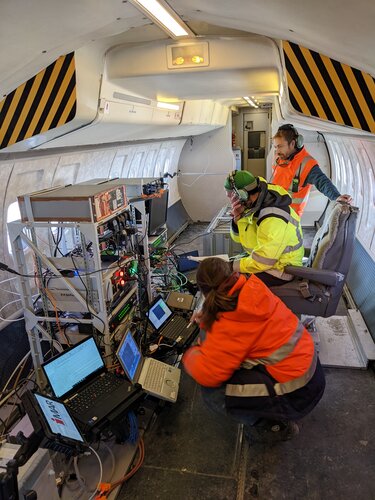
(268, 431)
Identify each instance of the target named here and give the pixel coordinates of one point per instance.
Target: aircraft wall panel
(322, 87)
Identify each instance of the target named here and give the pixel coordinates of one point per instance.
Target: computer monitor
(157, 212)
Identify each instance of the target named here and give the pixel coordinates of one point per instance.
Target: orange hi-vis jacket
(260, 331)
(292, 175)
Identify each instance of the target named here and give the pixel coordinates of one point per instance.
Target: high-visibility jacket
(270, 233)
(261, 330)
(292, 175)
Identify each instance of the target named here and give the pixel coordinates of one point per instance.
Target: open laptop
(170, 325)
(53, 423)
(80, 379)
(156, 378)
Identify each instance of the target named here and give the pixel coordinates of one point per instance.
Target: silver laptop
(156, 378)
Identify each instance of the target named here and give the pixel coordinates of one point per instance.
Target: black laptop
(169, 325)
(79, 378)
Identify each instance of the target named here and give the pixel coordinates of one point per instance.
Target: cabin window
(14, 214)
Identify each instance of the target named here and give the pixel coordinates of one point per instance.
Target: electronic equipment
(156, 378)
(52, 419)
(157, 207)
(78, 202)
(79, 378)
(184, 264)
(180, 301)
(120, 314)
(170, 325)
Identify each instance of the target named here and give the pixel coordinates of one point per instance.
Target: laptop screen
(58, 419)
(159, 313)
(73, 367)
(129, 355)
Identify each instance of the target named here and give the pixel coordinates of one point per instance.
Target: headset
(297, 137)
(241, 194)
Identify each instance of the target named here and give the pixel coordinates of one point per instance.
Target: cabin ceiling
(33, 34)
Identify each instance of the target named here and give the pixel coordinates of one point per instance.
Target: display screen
(159, 313)
(157, 212)
(73, 367)
(58, 419)
(129, 355)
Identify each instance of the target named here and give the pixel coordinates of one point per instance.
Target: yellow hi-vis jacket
(270, 233)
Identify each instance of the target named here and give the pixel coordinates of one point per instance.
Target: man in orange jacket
(296, 171)
(258, 363)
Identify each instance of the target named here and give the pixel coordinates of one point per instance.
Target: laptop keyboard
(87, 397)
(176, 328)
(155, 375)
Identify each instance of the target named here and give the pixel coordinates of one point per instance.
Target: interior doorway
(255, 141)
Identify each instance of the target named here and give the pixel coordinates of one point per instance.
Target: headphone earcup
(299, 141)
(243, 195)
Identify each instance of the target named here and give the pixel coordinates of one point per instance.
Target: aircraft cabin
(120, 124)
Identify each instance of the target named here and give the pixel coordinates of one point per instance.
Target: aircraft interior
(119, 124)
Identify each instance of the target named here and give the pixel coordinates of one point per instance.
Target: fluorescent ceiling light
(164, 16)
(252, 103)
(167, 105)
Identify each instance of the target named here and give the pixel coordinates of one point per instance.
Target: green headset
(297, 137)
(241, 194)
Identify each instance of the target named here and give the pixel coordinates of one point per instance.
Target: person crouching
(257, 363)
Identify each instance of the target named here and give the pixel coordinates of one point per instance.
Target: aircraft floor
(191, 453)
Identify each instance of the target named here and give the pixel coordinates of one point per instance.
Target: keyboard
(100, 388)
(155, 376)
(176, 328)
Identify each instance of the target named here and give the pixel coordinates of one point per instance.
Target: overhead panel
(46, 101)
(325, 88)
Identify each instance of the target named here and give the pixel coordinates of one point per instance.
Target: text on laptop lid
(74, 367)
(129, 355)
(58, 419)
(158, 313)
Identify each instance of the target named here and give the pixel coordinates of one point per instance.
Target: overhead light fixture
(167, 105)
(165, 17)
(251, 102)
(187, 55)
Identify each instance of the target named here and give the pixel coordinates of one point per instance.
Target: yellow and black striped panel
(46, 101)
(322, 87)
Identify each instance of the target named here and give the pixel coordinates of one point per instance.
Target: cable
(101, 474)
(14, 371)
(113, 459)
(127, 476)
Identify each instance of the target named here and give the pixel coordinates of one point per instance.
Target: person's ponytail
(215, 279)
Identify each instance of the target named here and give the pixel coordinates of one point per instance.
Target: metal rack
(219, 240)
(69, 286)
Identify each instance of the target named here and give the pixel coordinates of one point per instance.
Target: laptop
(79, 378)
(156, 378)
(52, 421)
(170, 325)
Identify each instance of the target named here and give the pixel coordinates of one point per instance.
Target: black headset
(297, 137)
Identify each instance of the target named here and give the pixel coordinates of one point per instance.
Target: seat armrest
(324, 276)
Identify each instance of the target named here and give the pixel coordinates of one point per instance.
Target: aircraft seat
(316, 288)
